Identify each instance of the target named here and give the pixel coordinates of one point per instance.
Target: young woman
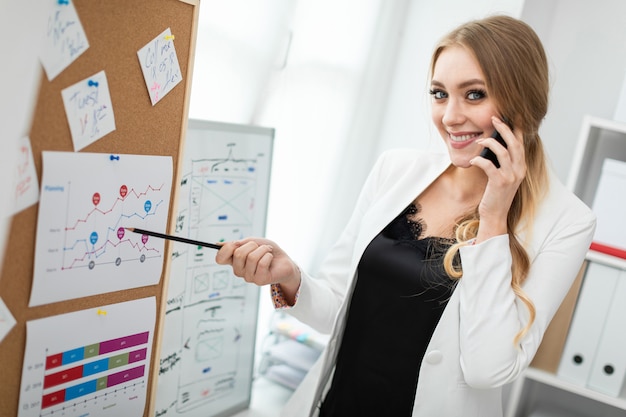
(451, 267)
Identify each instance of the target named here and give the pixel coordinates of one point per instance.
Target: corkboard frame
(116, 30)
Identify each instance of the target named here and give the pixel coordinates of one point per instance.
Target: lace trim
(417, 226)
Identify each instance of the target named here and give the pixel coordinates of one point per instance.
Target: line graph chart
(83, 248)
(87, 200)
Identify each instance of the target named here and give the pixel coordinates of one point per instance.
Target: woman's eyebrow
(464, 84)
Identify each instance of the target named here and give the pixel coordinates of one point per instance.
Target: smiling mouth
(463, 138)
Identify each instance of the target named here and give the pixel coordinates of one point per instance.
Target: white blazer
(471, 353)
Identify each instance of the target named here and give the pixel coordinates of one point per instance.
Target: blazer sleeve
(490, 313)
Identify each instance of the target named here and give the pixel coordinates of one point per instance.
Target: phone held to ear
(488, 153)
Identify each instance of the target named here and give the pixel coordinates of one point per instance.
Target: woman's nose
(453, 114)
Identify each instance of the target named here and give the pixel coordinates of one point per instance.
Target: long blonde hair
(515, 67)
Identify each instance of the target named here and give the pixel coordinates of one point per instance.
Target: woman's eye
(476, 95)
(438, 94)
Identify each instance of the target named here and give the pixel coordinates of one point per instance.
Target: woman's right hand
(261, 261)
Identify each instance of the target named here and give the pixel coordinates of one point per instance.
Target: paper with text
(89, 110)
(64, 40)
(25, 184)
(159, 65)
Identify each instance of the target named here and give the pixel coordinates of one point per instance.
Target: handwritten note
(89, 110)
(25, 184)
(159, 65)
(64, 40)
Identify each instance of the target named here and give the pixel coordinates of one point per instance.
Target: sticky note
(64, 40)
(89, 110)
(159, 64)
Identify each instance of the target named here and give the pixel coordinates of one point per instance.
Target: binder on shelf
(550, 351)
(592, 307)
(608, 370)
(608, 205)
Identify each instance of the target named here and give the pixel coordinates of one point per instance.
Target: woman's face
(461, 108)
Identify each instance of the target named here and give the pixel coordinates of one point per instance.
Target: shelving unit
(538, 389)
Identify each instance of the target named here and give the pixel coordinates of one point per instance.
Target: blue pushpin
(62, 2)
(114, 157)
(92, 83)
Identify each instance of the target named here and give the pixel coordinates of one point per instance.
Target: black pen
(176, 238)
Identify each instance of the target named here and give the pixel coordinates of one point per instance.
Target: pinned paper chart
(89, 110)
(93, 362)
(87, 201)
(159, 65)
(64, 39)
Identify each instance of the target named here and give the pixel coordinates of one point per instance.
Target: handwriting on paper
(159, 65)
(89, 110)
(26, 185)
(64, 40)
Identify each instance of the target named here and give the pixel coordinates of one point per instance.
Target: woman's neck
(466, 184)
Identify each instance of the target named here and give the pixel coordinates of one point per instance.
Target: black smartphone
(488, 153)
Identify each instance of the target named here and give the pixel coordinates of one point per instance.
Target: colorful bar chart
(93, 362)
(93, 368)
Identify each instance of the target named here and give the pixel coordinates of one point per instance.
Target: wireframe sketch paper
(89, 110)
(159, 64)
(87, 200)
(65, 39)
(93, 362)
(25, 182)
(208, 341)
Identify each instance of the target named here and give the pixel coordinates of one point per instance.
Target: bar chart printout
(93, 362)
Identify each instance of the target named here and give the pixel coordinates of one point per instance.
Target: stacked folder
(608, 205)
(594, 355)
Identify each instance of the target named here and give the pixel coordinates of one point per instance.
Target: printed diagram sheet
(207, 348)
(92, 363)
(86, 201)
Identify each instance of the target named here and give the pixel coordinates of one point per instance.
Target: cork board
(116, 30)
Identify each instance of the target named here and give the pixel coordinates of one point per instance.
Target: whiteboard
(209, 330)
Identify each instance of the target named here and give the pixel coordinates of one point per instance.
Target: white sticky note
(7, 321)
(89, 110)
(64, 39)
(25, 184)
(159, 65)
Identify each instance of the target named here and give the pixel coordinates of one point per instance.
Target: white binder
(587, 323)
(608, 370)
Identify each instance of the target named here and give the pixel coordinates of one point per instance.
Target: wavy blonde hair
(515, 67)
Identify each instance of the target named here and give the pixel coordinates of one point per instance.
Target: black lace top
(399, 296)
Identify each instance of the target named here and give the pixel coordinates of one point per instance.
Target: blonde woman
(451, 267)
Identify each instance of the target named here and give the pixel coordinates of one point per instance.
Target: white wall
(586, 46)
(407, 121)
(24, 22)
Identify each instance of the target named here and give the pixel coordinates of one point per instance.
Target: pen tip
(132, 229)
